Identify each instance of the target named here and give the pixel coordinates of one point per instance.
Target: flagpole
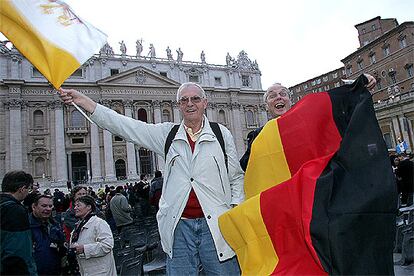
(78, 108)
(82, 112)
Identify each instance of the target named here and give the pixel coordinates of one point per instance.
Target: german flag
(321, 197)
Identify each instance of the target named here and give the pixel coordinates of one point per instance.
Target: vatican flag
(50, 35)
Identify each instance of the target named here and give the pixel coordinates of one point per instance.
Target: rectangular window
(386, 51)
(245, 81)
(217, 81)
(193, 78)
(373, 59)
(334, 75)
(313, 83)
(409, 69)
(336, 84)
(349, 70)
(360, 64)
(325, 78)
(379, 86)
(393, 79)
(77, 140)
(373, 27)
(305, 86)
(403, 43)
(164, 74)
(318, 81)
(114, 71)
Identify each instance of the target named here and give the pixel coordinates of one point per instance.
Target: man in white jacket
(198, 186)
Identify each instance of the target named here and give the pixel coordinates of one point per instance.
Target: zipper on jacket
(170, 165)
(221, 180)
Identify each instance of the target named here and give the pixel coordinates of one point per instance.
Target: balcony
(77, 131)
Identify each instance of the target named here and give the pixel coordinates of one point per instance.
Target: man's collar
(194, 136)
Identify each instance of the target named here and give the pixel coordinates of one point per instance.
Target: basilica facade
(56, 144)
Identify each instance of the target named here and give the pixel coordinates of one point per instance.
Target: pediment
(139, 76)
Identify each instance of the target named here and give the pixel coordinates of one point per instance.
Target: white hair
(189, 84)
(277, 84)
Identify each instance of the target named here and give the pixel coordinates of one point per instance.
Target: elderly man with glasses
(200, 182)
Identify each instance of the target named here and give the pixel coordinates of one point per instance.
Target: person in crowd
(69, 219)
(48, 237)
(405, 180)
(16, 238)
(401, 147)
(92, 240)
(278, 102)
(142, 189)
(156, 189)
(59, 201)
(30, 198)
(199, 185)
(121, 210)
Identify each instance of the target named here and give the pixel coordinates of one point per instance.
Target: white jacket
(97, 259)
(204, 171)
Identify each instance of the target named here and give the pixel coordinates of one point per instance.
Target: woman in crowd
(69, 219)
(92, 240)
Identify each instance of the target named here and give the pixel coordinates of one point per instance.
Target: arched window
(250, 118)
(38, 119)
(39, 166)
(142, 115)
(166, 117)
(222, 117)
(77, 119)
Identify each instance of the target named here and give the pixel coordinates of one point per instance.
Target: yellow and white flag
(50, 35)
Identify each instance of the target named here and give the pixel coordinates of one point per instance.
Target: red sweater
(193, 208)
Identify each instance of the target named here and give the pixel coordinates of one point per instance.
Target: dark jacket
(16, 238)
(250, 138)
(155, 190)
(48, 240)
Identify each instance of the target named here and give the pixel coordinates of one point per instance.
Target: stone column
(108, 152)
(109, 157)
(132, 161)
(237, 128)
(95, 155)
(176, 110)
(16, 63)
(70, 165)
(210, 112)
(263, 115)
(61, 161)
(157, 119)
(15, 117)
(88, 165)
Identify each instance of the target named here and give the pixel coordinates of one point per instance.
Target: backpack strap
(170, 137)
(217, 131)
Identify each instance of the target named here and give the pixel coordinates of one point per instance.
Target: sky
(292, 40)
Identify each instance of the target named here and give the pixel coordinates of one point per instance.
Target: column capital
(14, 103)
(128, 103)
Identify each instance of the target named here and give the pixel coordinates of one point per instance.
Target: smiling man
(203, 179)
(277, 103)
(47, 237)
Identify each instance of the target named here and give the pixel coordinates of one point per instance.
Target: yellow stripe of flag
(267, 155)
(249, 238)
(50, 36)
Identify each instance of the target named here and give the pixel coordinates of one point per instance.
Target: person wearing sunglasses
(199, 185)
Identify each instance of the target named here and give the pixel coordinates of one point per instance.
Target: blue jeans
(194, 245)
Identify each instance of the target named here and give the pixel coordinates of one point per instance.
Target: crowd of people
(67, 234)
(204, 180)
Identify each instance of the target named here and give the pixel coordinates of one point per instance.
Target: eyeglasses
(194, 99)
(274, 95)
